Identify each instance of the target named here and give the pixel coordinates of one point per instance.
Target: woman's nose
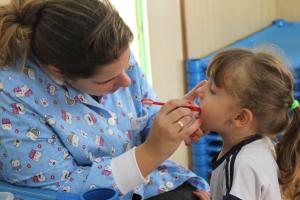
(124, 81)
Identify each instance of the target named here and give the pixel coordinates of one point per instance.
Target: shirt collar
(236, 148)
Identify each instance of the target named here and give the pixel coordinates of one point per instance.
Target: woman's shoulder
(10, 78)
(18, 72)
(20, 81)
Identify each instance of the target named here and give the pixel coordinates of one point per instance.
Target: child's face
(218, 108)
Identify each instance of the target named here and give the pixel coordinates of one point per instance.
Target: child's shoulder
(257, 157)
(259, 149)
(255, 170)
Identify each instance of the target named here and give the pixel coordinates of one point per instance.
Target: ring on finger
(180, 124)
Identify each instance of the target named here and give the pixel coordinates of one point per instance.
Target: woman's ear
(55, 71)
(55, 74)
(244, 118)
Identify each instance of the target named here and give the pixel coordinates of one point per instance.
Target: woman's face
(107, 79)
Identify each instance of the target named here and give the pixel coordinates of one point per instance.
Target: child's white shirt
(255, 174)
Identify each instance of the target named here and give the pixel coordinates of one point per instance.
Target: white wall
(127, 10)
(288, 9)
(166, 47)
(167, 59)
(3, 1)
(213, 24)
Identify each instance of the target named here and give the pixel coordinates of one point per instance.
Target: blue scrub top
(55, 137)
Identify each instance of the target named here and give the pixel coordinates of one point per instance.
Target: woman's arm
(166, 135)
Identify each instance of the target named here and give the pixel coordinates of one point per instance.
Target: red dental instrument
(150, 102)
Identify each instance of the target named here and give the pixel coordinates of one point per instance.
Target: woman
(72, 117)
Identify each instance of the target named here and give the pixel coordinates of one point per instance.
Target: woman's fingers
(192, 95)
(188, 141)
(174, 104)
(199, 133)
(180, 113)
(196, 136)
(171, 125)
(174, 113)
(183, 122)
(187, 131)
(202, 195)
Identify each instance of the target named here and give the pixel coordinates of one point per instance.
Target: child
(248, 99)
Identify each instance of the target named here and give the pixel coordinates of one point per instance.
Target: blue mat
(282, 34)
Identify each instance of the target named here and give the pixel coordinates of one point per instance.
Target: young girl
(249, 99)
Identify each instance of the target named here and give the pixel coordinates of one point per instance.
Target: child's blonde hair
(263, 83)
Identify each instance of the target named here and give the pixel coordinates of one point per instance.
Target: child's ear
(243, 118)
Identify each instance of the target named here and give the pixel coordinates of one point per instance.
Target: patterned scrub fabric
(55, 137)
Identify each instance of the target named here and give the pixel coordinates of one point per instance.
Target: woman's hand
(171, 126)
(196, 135)
(191, 96)
(202, 195)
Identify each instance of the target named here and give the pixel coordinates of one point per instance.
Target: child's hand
(202, 195)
